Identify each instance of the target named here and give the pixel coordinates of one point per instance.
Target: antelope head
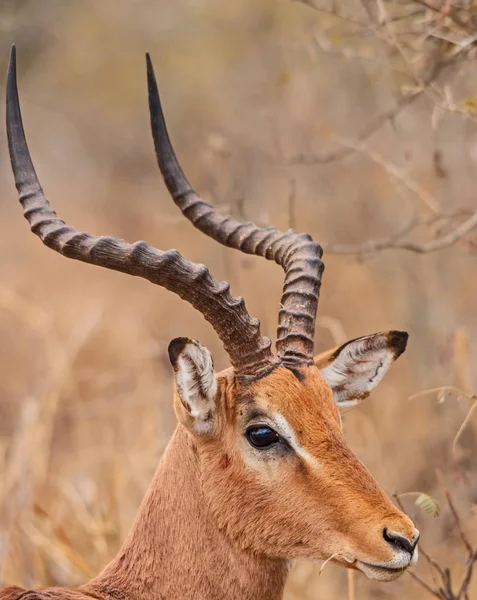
(275, 469)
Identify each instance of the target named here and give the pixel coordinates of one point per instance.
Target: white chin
(379, 573)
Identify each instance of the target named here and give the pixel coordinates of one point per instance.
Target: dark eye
(261, 436)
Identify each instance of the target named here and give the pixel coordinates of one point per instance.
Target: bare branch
(348, 53)
(395, 172)
(396, 242)
(333, 13)
(435, 60)
(443, 242)
(464, 423)
(372, 127)
(468, 576)
(445, 11)
(426, 586)
(455, 514)
(440, 390)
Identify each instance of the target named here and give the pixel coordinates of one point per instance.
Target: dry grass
(85, 392)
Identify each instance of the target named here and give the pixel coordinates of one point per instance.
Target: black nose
(399, 541)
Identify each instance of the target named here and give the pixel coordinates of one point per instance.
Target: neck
(175, 549)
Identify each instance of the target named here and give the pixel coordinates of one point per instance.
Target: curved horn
(298, 254)
(249, 352)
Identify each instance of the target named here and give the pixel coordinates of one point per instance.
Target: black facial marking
(301, 467)
(244, 399)
(251, 379)
(298, 374)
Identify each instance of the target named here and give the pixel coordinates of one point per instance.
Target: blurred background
(354, 121)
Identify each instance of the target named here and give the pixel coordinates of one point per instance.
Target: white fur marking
(358, 369)
(197, 384)
(286, 431)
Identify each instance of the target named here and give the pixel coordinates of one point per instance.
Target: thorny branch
(422, 39)
(434, 62)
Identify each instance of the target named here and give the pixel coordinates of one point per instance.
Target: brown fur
(221, 520)
(16, 593)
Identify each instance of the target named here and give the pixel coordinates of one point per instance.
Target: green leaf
(430, 506)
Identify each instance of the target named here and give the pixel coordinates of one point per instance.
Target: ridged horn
(248, 350)
(296, 253)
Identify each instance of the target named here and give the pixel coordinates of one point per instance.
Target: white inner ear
(196, 383)
(358, 368)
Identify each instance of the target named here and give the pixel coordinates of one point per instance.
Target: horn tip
(150, 69)
(13, 57)
(12, 77)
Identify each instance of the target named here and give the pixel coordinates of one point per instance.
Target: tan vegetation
(350, 123)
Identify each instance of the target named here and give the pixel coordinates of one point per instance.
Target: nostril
(399, 541)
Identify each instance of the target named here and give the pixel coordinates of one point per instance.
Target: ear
(196, 384)
(354, 369)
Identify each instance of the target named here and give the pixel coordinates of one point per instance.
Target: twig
(468, 576)
(398, 244)
(372, 127)
(464, 423)
(383, 28)
(442, 242)
(349, 53)
(448, 389)
(374, 124)
(455, 515)
(443, 388)
(450, 12)
(425, 585)
(395, 172)
(326, 11)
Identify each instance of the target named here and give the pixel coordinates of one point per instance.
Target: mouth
(380, 573)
